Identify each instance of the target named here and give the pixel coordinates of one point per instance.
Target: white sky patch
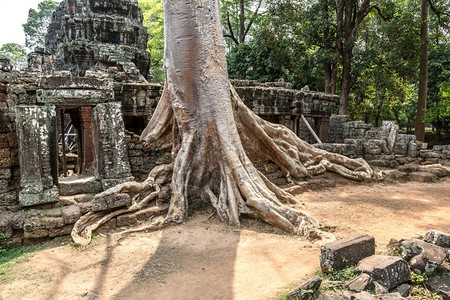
(14, 13)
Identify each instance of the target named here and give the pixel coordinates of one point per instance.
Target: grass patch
(10, 257)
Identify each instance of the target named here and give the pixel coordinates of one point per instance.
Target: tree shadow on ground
(187, 263)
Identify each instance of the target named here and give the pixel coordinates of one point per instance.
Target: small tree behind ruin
(214, 137)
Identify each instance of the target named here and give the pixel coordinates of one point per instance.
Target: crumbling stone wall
(15, 88)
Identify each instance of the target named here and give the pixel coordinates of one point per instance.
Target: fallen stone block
(346, 252)
(362, 296)
(440, 286)
(66, 230)
(306, 290)
(403, 290)
(423, 257)
(437, 238)
(38, 233)
(361, 283)
(117, 200)
(422, 177)
(389, 271)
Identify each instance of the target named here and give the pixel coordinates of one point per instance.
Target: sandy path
(205, 259)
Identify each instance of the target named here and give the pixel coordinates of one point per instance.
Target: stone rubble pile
(383, 277)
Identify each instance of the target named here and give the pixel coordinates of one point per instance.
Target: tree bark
(423, 75)
(214, 137)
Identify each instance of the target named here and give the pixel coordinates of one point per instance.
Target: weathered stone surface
(403, 290)
(362, 296)
(361, 283)
(52, 223)
(117, 200)
(35, 234)
(393, 296)
(389, 271)
(65, 230)
(126, 220)
(346, 252)
(423, 257)
(437, 238)
(306, 290)
(329, 296)
(70, 214)
(79, 185)
(440, 286)
(422, 177)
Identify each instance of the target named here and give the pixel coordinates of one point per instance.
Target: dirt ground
(206, 259)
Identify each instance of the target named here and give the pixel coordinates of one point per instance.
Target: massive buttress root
(213, 136)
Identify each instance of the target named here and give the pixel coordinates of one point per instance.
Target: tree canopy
(15, 53)
(37, 23)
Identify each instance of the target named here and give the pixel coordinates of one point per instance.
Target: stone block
(79, 185)
(306, 290)
(8, 199)
(440, 286)
(52, 223)
(117, 200)
(361, 283)
(5, 173)
(126, 220)
(135, 153)
(329, 296)
(422, 177)
(65, 230)
(70, 214)
(437, 238)
(346, 252)
(393, 296)
(403, 290)
(422, 256)
(389, 271)
(362, 296)
(35, 234)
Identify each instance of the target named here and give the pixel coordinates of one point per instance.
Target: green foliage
(438, 102)
(418, 278)
(16, 54)
(37, 23)
(346, 274)
(154, 21)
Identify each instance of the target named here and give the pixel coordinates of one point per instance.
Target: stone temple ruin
(94, 76)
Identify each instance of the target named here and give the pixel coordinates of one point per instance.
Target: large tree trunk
(423, 75)
(346, 74)
(214, 136)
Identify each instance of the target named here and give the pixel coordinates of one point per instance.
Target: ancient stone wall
(14, 89)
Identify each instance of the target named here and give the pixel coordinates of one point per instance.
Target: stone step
(74, 185)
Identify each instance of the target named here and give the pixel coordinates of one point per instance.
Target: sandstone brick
(346, 252)
(422, 177)
(65, 230)
(70, 214)
(38, 233)
(389, 271)
(52, 223)
(111, 224)
(305, 290)
(5, 173)
(437, 238)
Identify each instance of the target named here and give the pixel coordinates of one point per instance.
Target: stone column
(87, 155)
(36, 134)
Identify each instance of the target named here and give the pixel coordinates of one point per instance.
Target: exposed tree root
(214, 137)
(232, 184)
